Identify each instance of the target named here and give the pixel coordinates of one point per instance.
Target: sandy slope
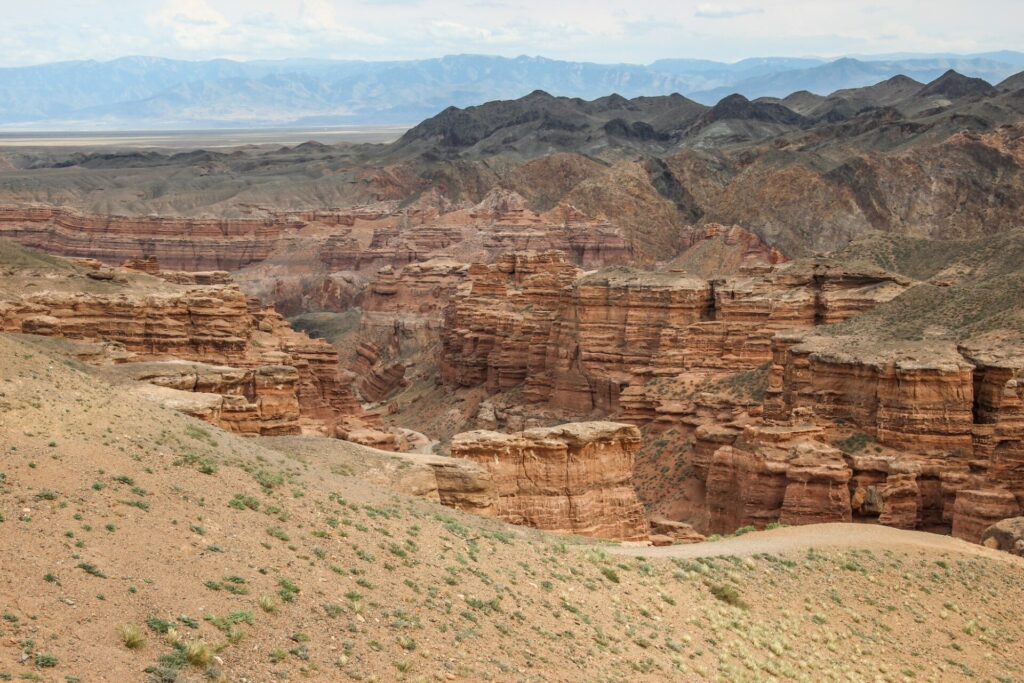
(117, 512)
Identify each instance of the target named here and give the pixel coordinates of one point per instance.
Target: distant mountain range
(153, 93)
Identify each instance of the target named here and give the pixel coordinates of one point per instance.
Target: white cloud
(708, 10)
(194, 24)
(584, 30)
(306, 29)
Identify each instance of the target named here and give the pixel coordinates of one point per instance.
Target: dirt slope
(267, 567)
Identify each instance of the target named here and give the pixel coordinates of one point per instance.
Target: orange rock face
(776, 474)
(184, 243)
(255, 374)
(497, 325)
(575, 478)
(261, 401)
(581, 344)
(903, 402)
(976, 511)
(945, 421)
(918, 422)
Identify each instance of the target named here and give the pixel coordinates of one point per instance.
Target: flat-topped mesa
(151, 266)
(952, 416)
(178, 242)
(202, 323)
(574, 478)
(750, 308)
(618, 327)
(499, 320)
(912, 396)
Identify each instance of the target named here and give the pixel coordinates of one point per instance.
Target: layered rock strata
(262, 401)
(401, 321)
(183, 243)
(594, 337)
(260, 375)
(498, 323)
(932, 432)
(575, 478)
(776, 474)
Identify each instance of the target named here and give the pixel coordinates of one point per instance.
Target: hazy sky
(637, 31)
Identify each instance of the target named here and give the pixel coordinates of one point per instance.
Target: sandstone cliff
(249, 370)
(574, 478)
(593, 337)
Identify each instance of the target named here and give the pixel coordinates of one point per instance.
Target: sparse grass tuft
(131, 636)
(198, 653)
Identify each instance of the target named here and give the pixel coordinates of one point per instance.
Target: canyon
(736, 283)
(632, 388)
(200, 344)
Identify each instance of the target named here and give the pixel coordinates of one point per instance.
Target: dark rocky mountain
(898, 109)
(138, 93)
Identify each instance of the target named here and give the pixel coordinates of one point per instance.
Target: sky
(633, 31)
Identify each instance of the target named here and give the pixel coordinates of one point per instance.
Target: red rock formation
(498, 322)
(905, 395)
(609, 331)
(574, 478)
(998, 432)
(261, 401)
(183, 243)
(773, 474)
(402, 316)
(276, 375)
(952, 415)
(587, 344)
(1007, 535)
(976, 511)
(505, 224)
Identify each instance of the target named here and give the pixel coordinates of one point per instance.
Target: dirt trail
(820, 536)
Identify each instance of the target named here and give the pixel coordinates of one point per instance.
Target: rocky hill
(804, 173)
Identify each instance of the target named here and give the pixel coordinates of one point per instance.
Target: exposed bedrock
(776, 474)
(977, 510)
(933, 431)
(255, 373)
(581, 343)
(178, 243)
(1007, 534)
(575, 478)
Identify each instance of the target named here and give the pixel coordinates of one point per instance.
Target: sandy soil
(232, 561)
(821, 536)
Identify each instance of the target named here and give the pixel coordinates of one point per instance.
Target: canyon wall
(931, 432)
(251, 373)
(575, 478)
(784, 424)
(179, 243)
(579, 344)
